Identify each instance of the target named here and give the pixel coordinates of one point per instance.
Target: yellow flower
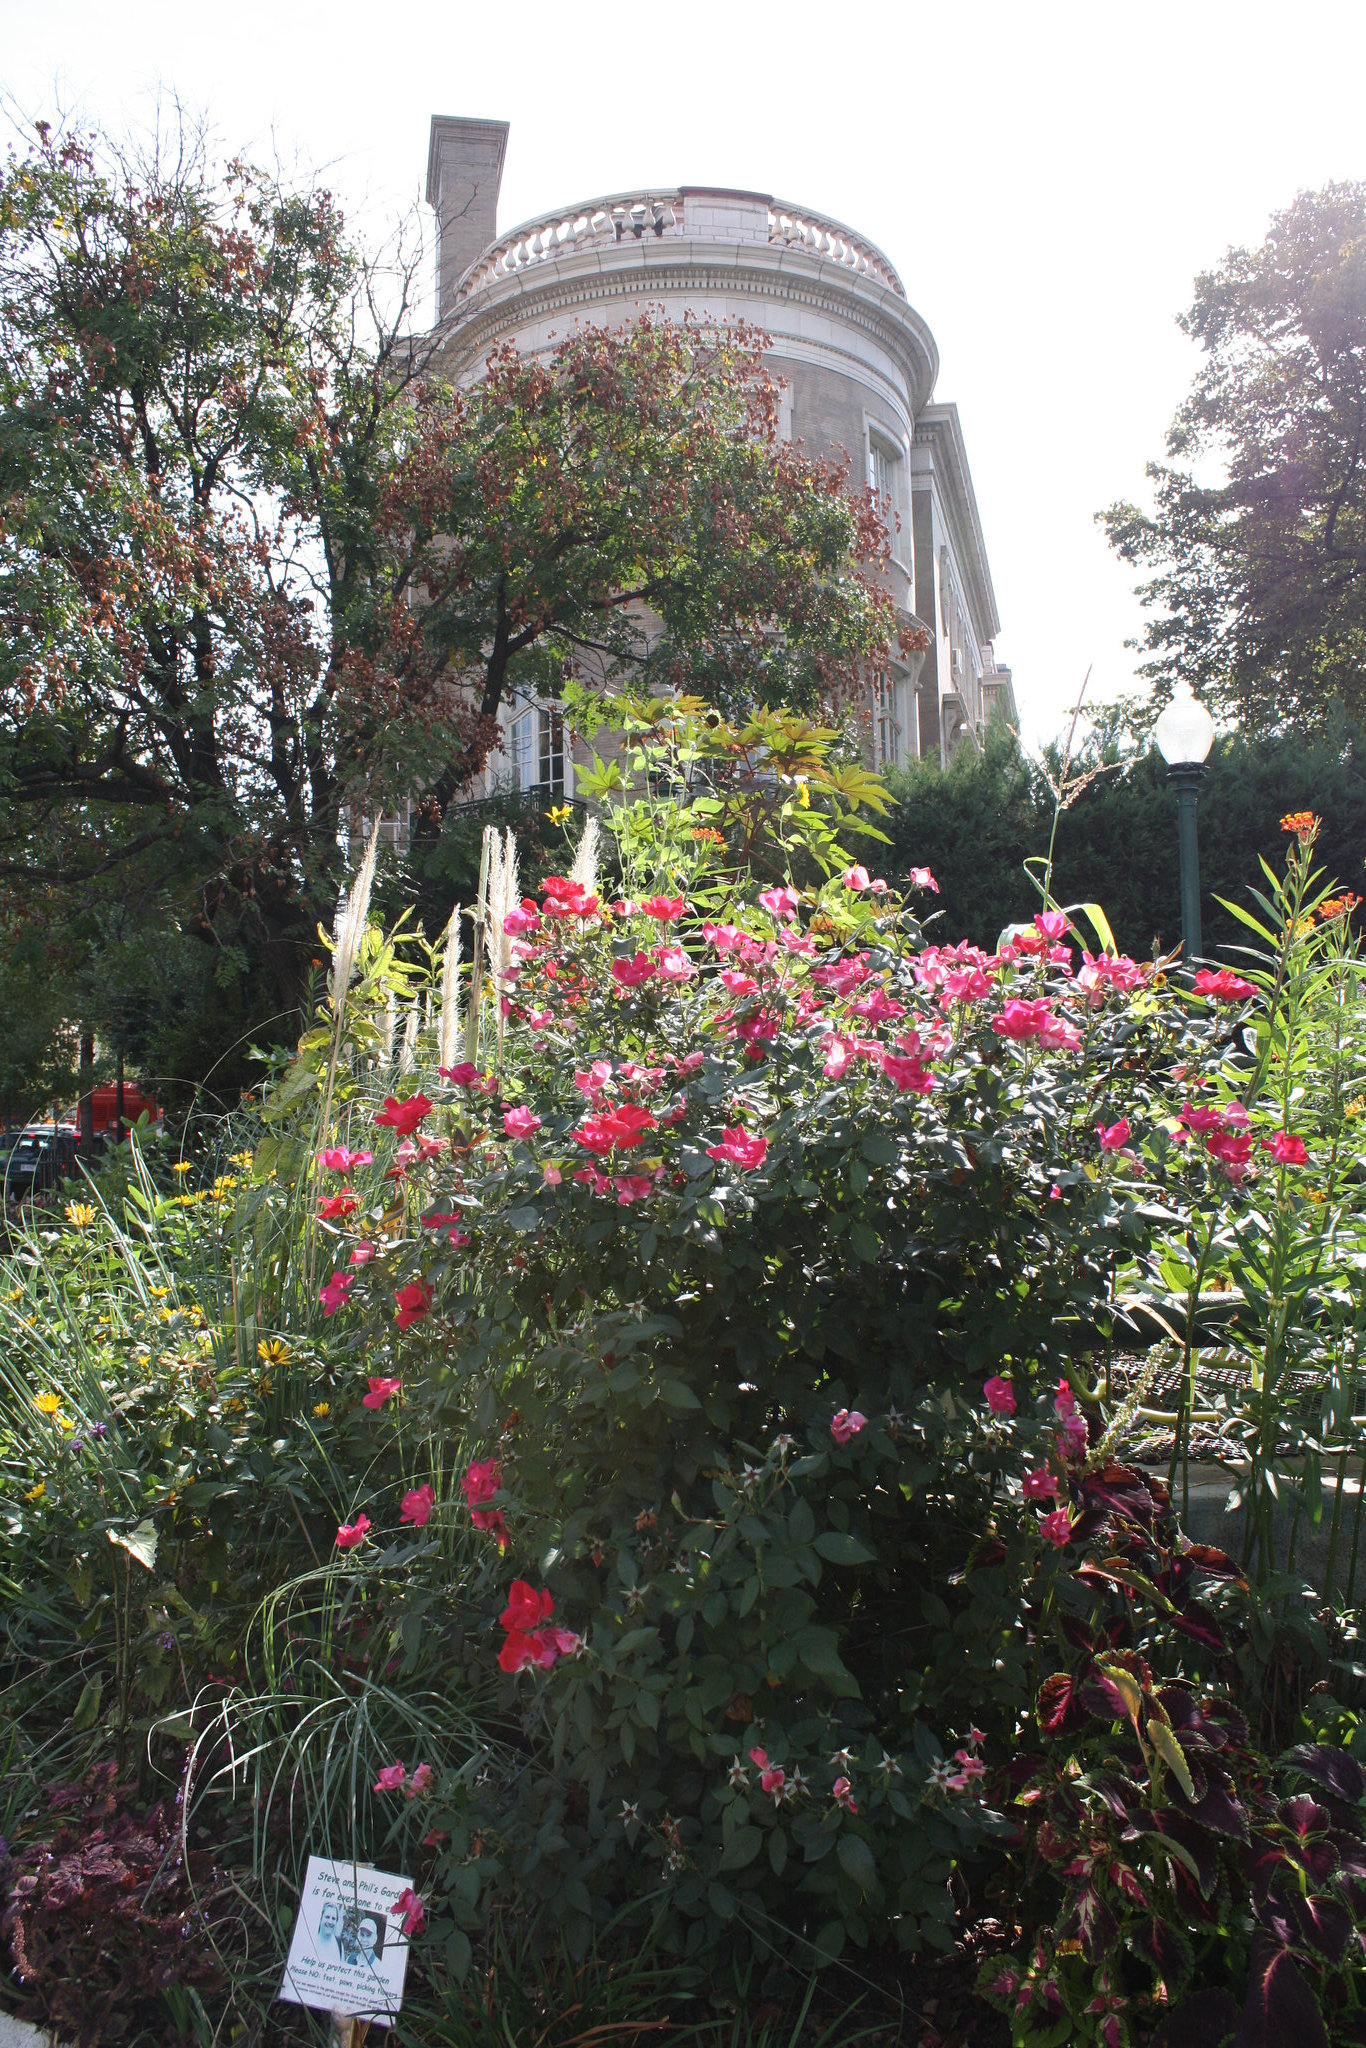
(16, 1294)
(63, 1422)
(803, 793)
(223, 1185)
(1355, 1107)
(273, 1351)
(36, 1492)
(558, 813)
(158, 1293)
(47, 1404)
(79, 1214)
(322, 1408)
(183, 1166)
(165, 1315)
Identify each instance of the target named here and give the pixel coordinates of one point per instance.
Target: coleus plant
(1165, 1869)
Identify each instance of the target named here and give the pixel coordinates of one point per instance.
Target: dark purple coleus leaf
(1077, 1633)
(1219, 1809)
(1199, 1624)
(1058, 1706)
(1198, 1846)
(1206, 1558)
(1325, 1924)
(1280, 2010)
(1166, 1949)
(1332, 1768)
(1102, 1697)
(1205, 2021)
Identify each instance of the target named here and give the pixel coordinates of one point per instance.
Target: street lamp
(1184, 735)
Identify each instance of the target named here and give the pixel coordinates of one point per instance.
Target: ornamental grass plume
(351, 920)
(449, 1029)
(585, 868)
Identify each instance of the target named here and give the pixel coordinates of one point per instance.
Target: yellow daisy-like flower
(558, 813)
(80, 1215)
(158, 1293)
(1355, 1107)
(183, 1166)
(37, 1492)
(223, 1185)
(165, 1315)
(16, 1294)
(245, 1160)
(273, 1351)
(47, 1404)
(322, 1408)
(63, 1422)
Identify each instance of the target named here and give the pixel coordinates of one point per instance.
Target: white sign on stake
(349, 1954)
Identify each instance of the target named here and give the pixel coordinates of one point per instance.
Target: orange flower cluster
(707, 835)
(1339, 906)
(1302, 823)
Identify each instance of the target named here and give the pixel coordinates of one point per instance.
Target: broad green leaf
(839, 1548)
(140, 1543)
(88, 1705)
(1171, 1753)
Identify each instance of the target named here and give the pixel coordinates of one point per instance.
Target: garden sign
(348, 1954)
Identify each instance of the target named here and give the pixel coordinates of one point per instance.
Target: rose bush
(760, 1275)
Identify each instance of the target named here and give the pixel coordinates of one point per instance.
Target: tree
(623, 512)
(200, 386)
(258, 567)
(1259, 583)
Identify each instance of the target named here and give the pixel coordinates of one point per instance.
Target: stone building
(857, 360)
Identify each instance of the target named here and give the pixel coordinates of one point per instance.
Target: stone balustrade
(642, 217)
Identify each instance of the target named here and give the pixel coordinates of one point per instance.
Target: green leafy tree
(258, 569)
(1257, 540)
(200, 388)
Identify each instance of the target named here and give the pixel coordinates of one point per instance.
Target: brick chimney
(464, 172)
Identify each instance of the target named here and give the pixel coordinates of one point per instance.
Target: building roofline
(938, 426)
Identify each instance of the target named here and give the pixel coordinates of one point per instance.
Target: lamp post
(1184, 735)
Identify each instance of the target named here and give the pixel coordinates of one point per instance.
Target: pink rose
(381, 1390)
(742, 1148)
(351, 1534)
(335, 1294)
(780, 903)
(417, 1506)
(520, 1123)
(1057, 1527)
(391, 1778)
(410, 1911)
(847, 1423)
(1000, 1395)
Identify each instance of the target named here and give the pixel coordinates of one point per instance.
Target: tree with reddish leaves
(201, 397)
(259, 566)
(622, 511)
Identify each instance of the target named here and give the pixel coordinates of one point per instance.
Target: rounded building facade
(857, 363)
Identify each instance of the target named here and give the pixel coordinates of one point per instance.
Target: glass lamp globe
(1185, 731)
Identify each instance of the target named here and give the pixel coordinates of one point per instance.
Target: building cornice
(694, 268)
(937, 428)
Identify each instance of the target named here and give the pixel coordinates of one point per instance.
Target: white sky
(1047, 178)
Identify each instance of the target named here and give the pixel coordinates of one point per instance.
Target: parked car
(39, 1158)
